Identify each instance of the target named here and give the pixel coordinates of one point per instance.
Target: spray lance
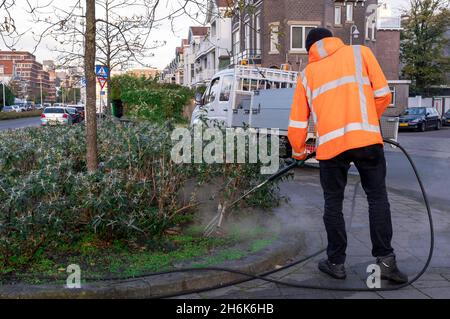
(216, 223)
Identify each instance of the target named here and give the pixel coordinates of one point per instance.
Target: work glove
(300, 163)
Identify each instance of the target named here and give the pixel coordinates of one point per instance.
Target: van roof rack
(253, 78)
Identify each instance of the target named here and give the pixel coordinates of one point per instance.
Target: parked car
(446, 118)
(82, 110)
(38, 107)
(8, 109)
(74, 114)
(18, 108)
(26, 107)
(55, 116)
(421, 119)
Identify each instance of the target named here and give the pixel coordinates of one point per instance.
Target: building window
(371, 27)
(394, 96)
(247, 34)
(258, 31)
(274, 41)
(236, 42)
(349, 13)
(213, 30)
(298, 37)
(337, 15)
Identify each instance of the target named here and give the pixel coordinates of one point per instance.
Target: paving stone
(355, 295)
(411, 242)
(420, 284)
(404, 293)
(222, 291)
(191, 296)
(309, 295)
(437, 293)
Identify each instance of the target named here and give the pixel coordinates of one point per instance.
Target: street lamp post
(4, 95)
(354, 33)
(42, 102)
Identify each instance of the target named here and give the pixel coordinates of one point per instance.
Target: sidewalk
(411, 240)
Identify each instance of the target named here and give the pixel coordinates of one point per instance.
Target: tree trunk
(91, 107)
(108, 62)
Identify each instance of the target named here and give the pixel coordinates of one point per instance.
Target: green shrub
(15, 115)
(145, 98)
(48, 198)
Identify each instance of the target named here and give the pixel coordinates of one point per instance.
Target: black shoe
(336, 271)
(390, 271)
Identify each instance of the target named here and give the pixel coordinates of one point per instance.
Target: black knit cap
(315, 35)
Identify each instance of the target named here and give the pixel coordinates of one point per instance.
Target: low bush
(47, 198)
(147, 99)
(15, 115)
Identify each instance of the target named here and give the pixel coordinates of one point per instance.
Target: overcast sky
(164, 32)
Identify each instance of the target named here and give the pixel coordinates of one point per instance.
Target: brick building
(273, 34)
(28, 75)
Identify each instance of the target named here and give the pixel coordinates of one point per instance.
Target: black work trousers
(371, 164)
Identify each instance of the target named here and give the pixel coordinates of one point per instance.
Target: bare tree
(89, 70)
(9, 33)
(124, 39)
(117, 38)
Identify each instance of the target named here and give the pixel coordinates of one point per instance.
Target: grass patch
(100, 260)
(14, 115)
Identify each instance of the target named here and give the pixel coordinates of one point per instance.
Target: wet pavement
(411, 233)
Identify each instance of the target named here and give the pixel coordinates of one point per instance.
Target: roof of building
(199, 31)
(224, 3)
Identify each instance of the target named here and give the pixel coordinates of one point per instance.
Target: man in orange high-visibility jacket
(345, 91)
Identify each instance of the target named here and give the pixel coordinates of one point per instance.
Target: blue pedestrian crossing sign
(101, 71)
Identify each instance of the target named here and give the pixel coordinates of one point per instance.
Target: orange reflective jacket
(346, 92)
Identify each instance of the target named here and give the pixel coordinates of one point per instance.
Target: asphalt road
(20, 123)
(431, 153)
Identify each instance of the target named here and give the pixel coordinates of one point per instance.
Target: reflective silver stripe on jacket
(322, 52)
(297, 124)
(359, 76)
(298, 154)
(349, 128)
(337, 83)
(382, 92)
(308, 95)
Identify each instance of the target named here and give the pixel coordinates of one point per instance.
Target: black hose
(295, 284)
(295, 263)
(304, 286)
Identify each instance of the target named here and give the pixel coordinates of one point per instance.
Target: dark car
(446, 118)
(81, 110)
(421, 119)
(74, 114)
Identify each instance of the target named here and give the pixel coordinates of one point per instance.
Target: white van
(247, 96)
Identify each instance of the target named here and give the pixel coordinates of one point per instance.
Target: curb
(152, 287)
